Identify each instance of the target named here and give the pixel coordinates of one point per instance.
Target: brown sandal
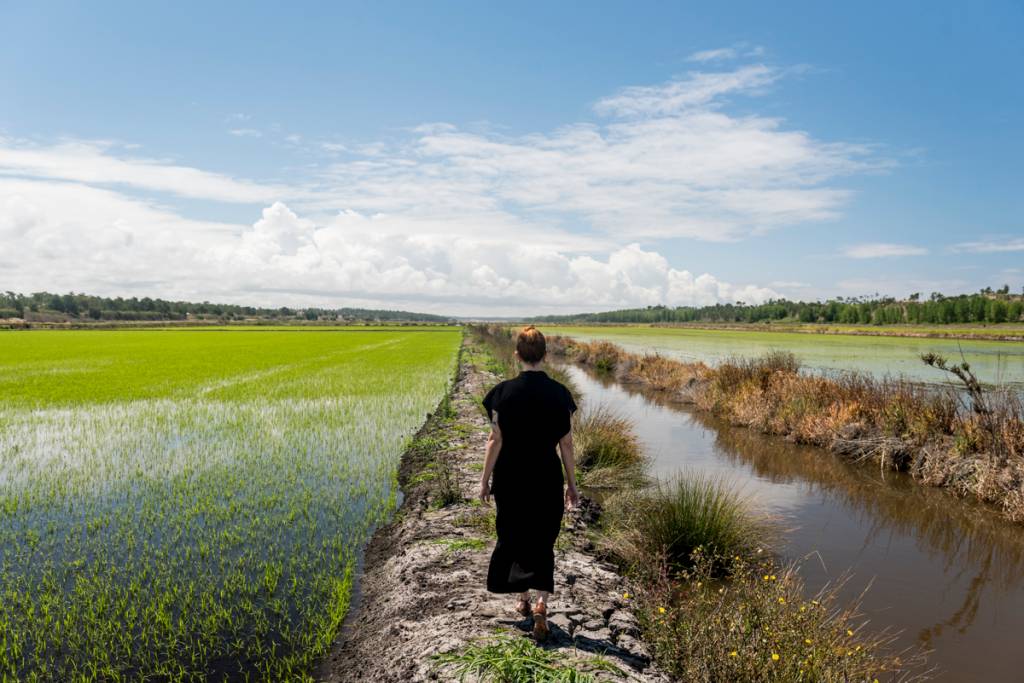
(540, 623)
(523, 607)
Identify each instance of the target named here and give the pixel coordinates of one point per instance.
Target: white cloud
(353, 253)
(96, 163)
(126, 246)
(991, 246)
(677, 96)
(667, 164)
(727, 53)
(245, 133)
(713, 55)
(882, 250)
(442, 218)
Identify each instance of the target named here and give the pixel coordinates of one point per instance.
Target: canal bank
(421, 601)
(945, 574)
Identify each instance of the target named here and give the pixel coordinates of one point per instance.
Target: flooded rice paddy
(189, 504)
(947, 573)
(994, 362)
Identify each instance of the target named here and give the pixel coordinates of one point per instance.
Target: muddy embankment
(421, 591)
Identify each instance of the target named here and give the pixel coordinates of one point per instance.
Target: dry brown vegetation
(966, 438)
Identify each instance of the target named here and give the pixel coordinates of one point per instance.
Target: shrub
(674, 518)
(759, 627)
(608, 453)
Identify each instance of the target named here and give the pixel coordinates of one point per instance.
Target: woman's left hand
(572, 497)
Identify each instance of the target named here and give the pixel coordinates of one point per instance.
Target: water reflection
(946, 572)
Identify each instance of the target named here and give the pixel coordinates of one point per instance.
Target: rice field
(995, 362)
(189, 504)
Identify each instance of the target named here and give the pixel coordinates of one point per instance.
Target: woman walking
(530, 416)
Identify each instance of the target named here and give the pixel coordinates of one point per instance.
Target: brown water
(947, 573)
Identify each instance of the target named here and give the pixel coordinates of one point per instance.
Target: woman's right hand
(485, 491)
(572, 497)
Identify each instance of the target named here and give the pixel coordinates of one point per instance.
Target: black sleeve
(565, 422)
(569, 401)
(491, 400)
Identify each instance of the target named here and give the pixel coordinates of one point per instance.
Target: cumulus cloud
(350, 254)
(283, 257)
(882, 250)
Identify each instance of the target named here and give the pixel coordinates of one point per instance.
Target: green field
(995, 362)
(1000, 331)
(189, 504)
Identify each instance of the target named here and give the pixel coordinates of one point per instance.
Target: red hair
(530, 345)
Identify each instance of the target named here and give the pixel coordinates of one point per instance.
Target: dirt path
(422, 588)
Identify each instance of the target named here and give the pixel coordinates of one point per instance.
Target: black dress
(534, 412)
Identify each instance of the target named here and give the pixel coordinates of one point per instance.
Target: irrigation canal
(948, 574)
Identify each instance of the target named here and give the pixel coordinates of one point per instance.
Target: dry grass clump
(608, 452)
(658, 372)
(602, 355)
(665, 374)
(757, 626)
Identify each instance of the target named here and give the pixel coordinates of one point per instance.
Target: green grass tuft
(678, 516)
(457, 544)
(512, 659)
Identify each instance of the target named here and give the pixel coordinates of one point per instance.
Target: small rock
(562, 621)
(600, 635)
(623, 623)
(633, 647)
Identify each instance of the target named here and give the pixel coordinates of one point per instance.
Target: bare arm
(490, 457)
(565, 447)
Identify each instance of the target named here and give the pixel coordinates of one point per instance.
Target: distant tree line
(84, 307)
(987, 306)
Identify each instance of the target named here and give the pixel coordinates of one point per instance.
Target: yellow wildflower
(849, 632)
(733, 653)
(625, 596)
(807, 640)
(661, 610)
(782, 601)
(775, 657)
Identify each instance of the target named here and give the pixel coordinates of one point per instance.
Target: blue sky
(474, 158)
